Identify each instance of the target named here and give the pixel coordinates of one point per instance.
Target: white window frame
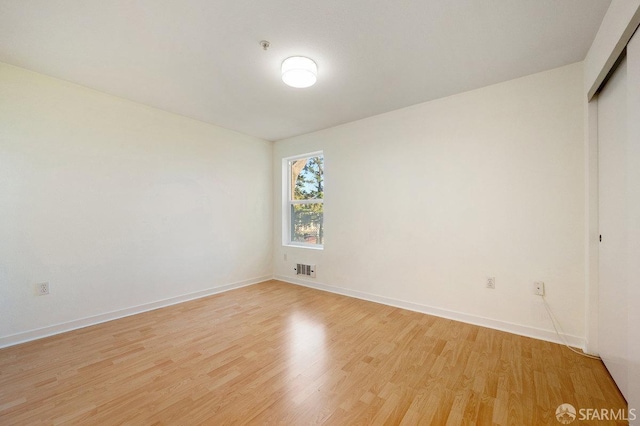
(287, 202)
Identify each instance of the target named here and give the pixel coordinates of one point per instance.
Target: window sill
(304, 246)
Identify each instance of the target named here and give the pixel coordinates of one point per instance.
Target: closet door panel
(612, 187)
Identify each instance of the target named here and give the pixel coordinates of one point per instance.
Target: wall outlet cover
(491, 282)
(42, 289)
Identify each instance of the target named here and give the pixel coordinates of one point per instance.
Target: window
(304, 209)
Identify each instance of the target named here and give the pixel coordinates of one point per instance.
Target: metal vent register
(306, 270)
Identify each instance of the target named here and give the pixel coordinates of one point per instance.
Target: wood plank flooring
(276, 353)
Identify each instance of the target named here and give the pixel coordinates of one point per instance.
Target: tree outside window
(306, 200)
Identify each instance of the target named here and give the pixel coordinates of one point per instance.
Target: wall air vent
(306, 270)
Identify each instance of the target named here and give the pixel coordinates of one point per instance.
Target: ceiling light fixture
(299, 72)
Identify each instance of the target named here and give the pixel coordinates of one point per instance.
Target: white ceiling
(202, 58)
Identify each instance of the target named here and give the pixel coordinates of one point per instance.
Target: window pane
(307, 178)
(306, 223)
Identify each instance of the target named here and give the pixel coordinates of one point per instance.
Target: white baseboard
(39, 333)
(536, 333)
(522, 330)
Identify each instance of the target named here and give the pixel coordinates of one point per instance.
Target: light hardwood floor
(276, 353)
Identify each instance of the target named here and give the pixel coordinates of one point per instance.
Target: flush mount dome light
(300, 72)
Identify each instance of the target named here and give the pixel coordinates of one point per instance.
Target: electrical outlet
(285, 257)
(42, 289)
(538, 288)
(491, 282)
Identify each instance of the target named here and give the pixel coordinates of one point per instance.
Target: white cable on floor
(554, 320)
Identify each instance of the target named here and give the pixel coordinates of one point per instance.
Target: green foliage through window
(307, 200)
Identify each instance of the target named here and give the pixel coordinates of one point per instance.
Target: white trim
(591, 226)
(27, 336)
(305, 155)
(305, 246)
(284, 185)
(522, 330)
(618, 26)
(287, 202)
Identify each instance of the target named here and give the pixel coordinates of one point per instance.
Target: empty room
(338, 212)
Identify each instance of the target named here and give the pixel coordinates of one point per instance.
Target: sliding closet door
(633, 220)
(612, 170)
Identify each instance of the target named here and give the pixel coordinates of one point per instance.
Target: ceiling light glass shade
(300, 72)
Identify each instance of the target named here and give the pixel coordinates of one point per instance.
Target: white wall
(422, 204)
(119, 205)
